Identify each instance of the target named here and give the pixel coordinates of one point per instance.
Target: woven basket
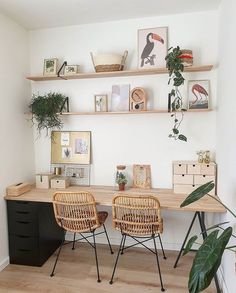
(109, 62)
(187, 57)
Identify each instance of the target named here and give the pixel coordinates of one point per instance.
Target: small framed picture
(142, 176)
(152, 47)
(50, 66)
(198, 94)
(100, 103)
(71, 69)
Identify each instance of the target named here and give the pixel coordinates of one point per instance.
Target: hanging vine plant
(45, 110)
(175, 67)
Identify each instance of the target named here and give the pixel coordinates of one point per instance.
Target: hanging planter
(46, 110)
(174, 62)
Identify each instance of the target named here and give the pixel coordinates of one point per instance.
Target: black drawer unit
(33, 232)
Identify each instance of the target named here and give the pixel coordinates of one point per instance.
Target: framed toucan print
(152, 47)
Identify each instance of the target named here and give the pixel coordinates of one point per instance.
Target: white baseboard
(4, 263)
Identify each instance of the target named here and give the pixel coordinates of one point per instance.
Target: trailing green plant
(208, 257)
(45, 110)
(121, 178)
(175, 67)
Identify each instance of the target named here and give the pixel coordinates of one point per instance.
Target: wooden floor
(76, 272)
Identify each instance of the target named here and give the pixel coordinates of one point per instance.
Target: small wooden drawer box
(43, 180)
(60, 182)
(180, 168)
(183, 179)
(188, 175)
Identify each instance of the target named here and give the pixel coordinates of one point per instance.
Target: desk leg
(185, 239)
(201, 217)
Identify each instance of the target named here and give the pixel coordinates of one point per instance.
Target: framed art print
(50, 66)
(70, 147)
(100, 103)
(198, 94)
(152, 47)
(142, 176)
(120, 98)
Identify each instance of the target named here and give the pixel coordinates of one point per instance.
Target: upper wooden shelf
(130, 112)
(134, 72)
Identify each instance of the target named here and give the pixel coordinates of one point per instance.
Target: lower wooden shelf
(160, 111)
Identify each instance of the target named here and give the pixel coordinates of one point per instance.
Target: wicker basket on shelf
(109, 62)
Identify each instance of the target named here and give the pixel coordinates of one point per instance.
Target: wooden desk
(104, 194)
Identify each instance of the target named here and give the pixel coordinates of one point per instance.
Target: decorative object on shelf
(138, 100)
(109, 62)
(207, 157)
(71, 69)
(70, 147)
(200, 156)
(187, 57)
(45, 110)
(78, 174)
(175, 67)
(120, 98)
(50, 66)
(100, 102)
(121, 177)
(142, 176)
(152, 47)
(213, 247)
(198, 94)
(188, 175)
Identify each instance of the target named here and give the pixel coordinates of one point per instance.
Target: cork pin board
(71, 147)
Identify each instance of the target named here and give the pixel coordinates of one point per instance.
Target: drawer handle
(179, 165)
(208, 166)
(193, 185)
(22, 249)
(22, 213)
(182, 175)
(193, 165)
(22, 236)
(204, 175)
(23, 222)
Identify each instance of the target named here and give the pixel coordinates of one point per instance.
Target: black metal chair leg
(96, 256)
(185, 240)
(118, 254)
(58, 253)
(108, 240)
(163, 252)
(158, 264)
(123, 246)
(73, 247)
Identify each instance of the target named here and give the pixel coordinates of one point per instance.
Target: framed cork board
(142, 176)
(71, 147)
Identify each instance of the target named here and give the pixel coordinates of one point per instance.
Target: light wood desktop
(104, 194)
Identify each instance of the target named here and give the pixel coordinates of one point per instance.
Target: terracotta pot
(122, 187)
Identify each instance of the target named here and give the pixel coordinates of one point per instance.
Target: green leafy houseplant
(45, 110)
(208, 257)
(175, 67)
(121, 180)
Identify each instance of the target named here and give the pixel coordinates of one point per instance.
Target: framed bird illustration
(152, 47)
(198, 94)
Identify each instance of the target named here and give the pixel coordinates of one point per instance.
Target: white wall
(226, 126)
(16, 140)
(130, 139)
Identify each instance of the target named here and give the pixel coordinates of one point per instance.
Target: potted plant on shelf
(175, 67)
(208, 257)
(46, 109)
(121, 180)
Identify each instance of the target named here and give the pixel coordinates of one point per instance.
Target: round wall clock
(138, 99)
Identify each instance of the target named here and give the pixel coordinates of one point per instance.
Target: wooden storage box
(60, 182)
(43, 180)
(18, 189)
(188, 175)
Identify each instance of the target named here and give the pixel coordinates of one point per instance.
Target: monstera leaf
(198, 193)
(207, 260)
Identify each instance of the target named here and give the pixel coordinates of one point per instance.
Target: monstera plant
(175, 67)
(208, 257)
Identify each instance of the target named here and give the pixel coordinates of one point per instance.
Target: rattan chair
(137, 216)
(76, 212)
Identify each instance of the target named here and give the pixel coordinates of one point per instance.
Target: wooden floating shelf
(130, 112)
(134, 72)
